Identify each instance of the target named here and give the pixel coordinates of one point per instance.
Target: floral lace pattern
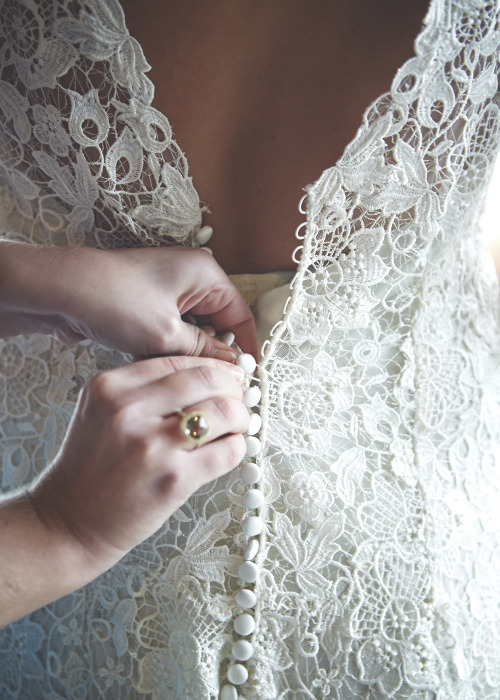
(380, 560)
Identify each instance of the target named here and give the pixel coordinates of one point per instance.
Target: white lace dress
(380, 558)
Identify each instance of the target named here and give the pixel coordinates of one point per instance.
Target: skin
(123, 469)
(262, 97)
(129, 299)
(124, 466)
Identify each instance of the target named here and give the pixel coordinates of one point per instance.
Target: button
(252, 525)
(250, 550)
(246, 598)
(244, 624)
(237, 674)
(228, 692)
(252, 396)
(203, 235)
(255, 424)
(250, 473)
(248, 571)
(209, 250)
(246, 362)
(253, 446)
(242, 650)
(253, 498)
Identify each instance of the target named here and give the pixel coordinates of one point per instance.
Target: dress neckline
(349, 148)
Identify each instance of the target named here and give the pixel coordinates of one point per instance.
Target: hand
(125, 466)
(123, 469)
(130, 299)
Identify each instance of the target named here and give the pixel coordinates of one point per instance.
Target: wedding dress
(379, 562)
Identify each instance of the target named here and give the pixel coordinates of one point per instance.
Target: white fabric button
(244, 624)
(250, 473)
(209, 250)
(248, 571)
(228, 338)
(228, 692)
(252, 396)
(253, 498)
(209, 330)
(242, 650)
(246, 598)
(237, 674)
(252, 525)
(247, 363)
(204, 235)
(255, 424)
(250, 550)
(253, 446)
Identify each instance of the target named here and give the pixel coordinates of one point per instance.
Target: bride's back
(262, 97)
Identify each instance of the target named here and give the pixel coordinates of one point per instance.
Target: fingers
(215, 297)
(246, 336)
(196, 342)
(187, 388)
(135, 408)
(237, 317)
(193, 469)
(147, 371)
(231, 312)
(215, 459)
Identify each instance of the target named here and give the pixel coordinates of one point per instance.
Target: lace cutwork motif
(380, 562)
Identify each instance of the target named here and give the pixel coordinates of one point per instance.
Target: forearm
(39, 564)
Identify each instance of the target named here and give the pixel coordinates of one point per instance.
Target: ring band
(195, 427)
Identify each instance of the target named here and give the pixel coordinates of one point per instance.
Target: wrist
(33, 277)
(40, 563)
(36, 286)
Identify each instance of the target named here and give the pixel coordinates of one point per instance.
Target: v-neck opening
(342, 153)
(305, 238)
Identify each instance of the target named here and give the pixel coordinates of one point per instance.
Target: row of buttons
(251, 525)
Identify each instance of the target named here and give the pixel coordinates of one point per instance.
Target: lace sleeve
(85, 159)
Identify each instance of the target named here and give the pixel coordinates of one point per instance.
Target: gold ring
(195, 427)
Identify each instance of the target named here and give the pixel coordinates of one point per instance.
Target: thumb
(195, 342)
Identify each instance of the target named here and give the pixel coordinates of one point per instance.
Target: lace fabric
(380, 559)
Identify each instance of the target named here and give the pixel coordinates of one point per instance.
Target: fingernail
(237, 372)
(228, 338)
(226, 355)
